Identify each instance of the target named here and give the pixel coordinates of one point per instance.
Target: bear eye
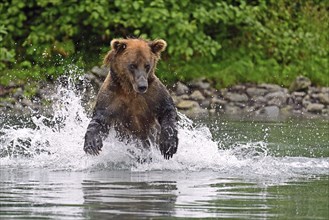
(132, 67)
(147, 67)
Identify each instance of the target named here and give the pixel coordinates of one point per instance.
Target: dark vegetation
(228, 42)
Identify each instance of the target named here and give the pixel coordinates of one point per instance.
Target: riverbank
(194, 98)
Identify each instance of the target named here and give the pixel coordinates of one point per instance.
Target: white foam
(59, 146)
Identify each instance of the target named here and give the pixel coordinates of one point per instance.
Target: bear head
(133, 62)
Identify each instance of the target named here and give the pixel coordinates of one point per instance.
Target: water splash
(56, 141)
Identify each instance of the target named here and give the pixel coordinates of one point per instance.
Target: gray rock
(270, 112)
(270, 87)
(278, 98)
(231, 109)
(259, 99)
(312, 90)
(325, 111)
(324, 98)
(100, 72)
(185, 96)
(181, 89)
(205, 103)
(92, 78)
(301, 83)
(325, 90)
(298, 94)
(216, 100)
(240, 104)
(306, 101)
(235, 97)
(286, 110)
(212, 111)
(7, 105)
(208, 93)
(187, 104)
(197, 96)
(315, 107)
(18, 93)
(252, 92)
(26, 102)
(200, 84)
(217, 103)
(238, 88)
(195, 112)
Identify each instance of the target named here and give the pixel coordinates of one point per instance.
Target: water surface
(235, 169)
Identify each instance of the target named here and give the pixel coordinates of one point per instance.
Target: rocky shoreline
(268, 101)
(199, 98)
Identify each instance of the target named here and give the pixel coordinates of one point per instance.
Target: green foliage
(229, 41)
(6, 56)
(295, 35)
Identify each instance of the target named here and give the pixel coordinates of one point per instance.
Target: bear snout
(142, 89)
(141, 84)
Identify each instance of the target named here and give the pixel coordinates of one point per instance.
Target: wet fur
(148, 117)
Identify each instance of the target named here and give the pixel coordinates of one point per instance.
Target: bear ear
(118, 45)
(157, 46)
(108, 58)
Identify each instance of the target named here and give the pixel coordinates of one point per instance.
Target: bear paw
(168, 145)
(93, 143)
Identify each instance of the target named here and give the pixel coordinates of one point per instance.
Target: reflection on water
(41, 193)
(223, 168)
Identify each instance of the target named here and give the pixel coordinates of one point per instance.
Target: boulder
(324, 98)
(100, 72)
(270, 111)
(298, 94)
(187, 104)
(270, 87)
(315, 107)
(301, 83)
(197, 96)
(278, 98)
(205, 103)
(253, 91)
(231, 109)
(217, 103)
(236, 97)
(200, 84)
(181, 89)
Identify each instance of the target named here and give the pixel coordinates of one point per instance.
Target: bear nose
(142, 89)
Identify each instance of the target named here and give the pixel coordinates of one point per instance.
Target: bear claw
(168, 148)
(93, 144)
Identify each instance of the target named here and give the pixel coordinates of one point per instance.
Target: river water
(224, 168)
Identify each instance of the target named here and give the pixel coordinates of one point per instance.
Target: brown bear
(133, 100)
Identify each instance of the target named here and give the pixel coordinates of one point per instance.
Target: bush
(243, 40)
(6, 56)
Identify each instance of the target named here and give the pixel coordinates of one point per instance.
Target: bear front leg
(168, 136)
(93, 137)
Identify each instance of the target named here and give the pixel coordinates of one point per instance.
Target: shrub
(243, 40)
